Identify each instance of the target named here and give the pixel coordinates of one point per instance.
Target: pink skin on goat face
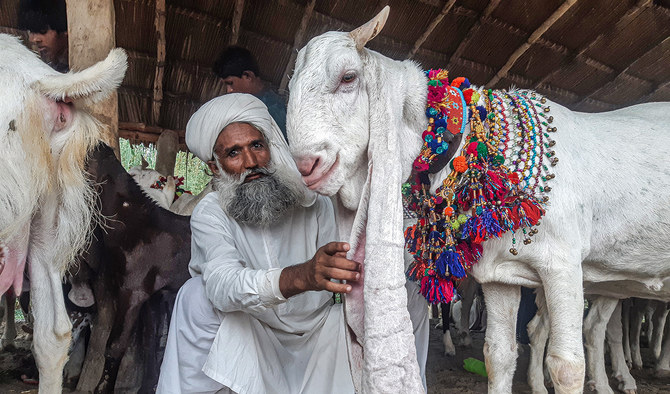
(59, 114)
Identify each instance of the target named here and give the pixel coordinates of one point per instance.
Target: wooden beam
(433, 24)
(298, 41)
(159, 22)
(91, 35)
(493, 4)
(625, 20)
(646, 97)
(147, 130)
(560, 11)
(625, 71)
(237, 20)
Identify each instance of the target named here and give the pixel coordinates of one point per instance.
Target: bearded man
(258, 316)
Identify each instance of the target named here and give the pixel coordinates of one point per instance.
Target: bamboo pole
(91, 35)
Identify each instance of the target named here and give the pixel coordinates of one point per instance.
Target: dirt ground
(445, 375)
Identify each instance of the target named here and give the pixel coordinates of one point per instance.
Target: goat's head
(328, 111)
(44, 140)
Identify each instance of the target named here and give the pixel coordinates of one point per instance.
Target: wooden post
(91, 35)
(160, 62)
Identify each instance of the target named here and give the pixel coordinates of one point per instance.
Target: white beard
(261, 201)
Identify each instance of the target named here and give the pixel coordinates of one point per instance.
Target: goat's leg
(468, 291)
(565, 306)
(449, 348)
(658, 319)
(500, 348)
(52, 327)
(635, 331)
(538, 333)
(9, 334)
(614, 337)
(595, 325)
(625, 325)
(94, 364)
(129, 304)
(663, 365)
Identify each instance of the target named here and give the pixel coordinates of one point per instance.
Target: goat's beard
(262, 201)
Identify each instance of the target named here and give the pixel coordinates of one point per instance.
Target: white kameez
(263, 342)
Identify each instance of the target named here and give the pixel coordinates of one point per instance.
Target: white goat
(354, 123)
(46, 210)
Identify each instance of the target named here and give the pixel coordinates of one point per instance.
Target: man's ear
(212, 167)
(248, 74)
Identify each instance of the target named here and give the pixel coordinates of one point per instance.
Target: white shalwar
(249, 338)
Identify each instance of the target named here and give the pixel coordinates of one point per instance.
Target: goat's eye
(348, 77)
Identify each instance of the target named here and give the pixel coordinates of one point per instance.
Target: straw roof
(589, 55)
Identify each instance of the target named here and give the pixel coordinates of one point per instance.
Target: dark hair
(41, 15)
(234, 61)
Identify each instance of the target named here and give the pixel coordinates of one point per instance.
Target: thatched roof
(590, 55)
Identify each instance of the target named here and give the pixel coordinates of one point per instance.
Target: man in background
(46, 22)
(239, 70)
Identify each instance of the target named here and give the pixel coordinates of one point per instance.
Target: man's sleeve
(229, 284)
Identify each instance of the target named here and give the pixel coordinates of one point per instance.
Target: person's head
(239, 70)
(254, 175)
(46, 22)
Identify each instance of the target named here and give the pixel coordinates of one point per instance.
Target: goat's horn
(368, 31)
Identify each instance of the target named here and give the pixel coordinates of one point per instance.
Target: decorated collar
(179, 183)
(497, 184)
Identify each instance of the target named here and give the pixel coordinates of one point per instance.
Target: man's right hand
(328, 263)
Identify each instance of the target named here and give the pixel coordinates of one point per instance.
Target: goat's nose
(307, 164)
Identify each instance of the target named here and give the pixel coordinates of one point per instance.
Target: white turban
(207, 122)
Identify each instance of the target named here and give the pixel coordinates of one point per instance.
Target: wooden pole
(531, 40)
(160, 62)
(237, 20)
(91, 35)
(433, 24)
(298, 41)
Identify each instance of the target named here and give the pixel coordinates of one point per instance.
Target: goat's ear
(368, 31)
(92, 84)
(145, 164)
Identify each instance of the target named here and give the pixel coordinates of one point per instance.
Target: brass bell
(554, 161)
(552, 143)
(547, 188)
(527, 241)
(514, 251)
(547, 109)
(543, 100)
(545, 199)
(550, 119)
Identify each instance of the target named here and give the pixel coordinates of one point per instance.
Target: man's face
(50, 43)
(241, 147)
(243, 84)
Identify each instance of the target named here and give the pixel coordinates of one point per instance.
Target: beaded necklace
(179, 183)
(498, 183)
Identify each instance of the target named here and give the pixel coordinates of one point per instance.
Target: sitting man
(258, 316)
(239, 70)
(46, 22)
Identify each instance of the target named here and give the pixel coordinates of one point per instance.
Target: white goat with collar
(47, 206)
(354, 123)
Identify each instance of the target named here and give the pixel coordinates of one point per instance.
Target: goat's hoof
(591, 385)
(662, 373)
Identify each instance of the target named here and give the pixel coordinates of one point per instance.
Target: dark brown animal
(137, 262)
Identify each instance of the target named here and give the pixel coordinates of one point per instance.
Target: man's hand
(328, 263)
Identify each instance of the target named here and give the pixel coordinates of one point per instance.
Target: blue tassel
(482, 112)
(441, 264)
(455, 267)
(467, 228)
(492, 226)
(465, 84)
